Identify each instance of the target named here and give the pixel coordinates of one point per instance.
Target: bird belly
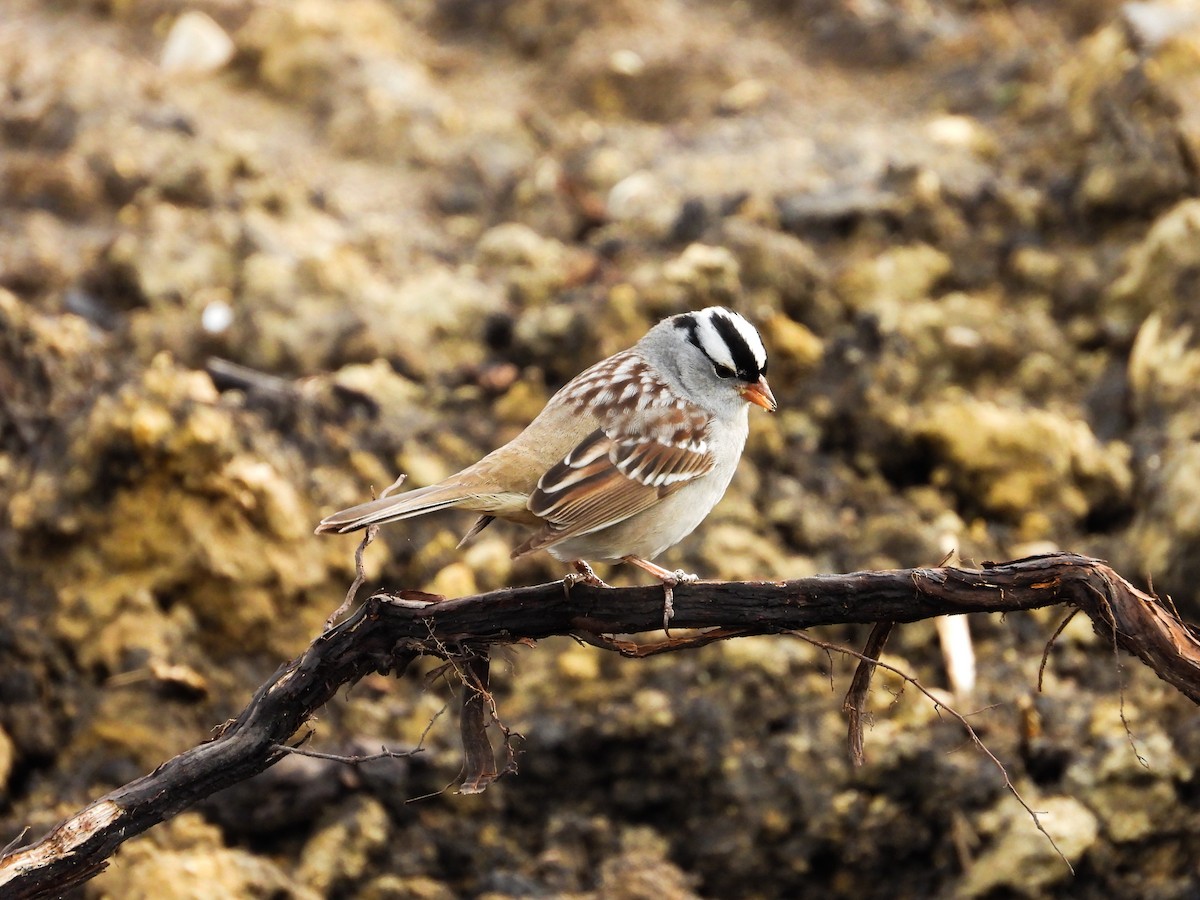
(649, 533)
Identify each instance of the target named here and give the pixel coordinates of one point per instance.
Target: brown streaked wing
(659, 465)
(607, 479)
(576, 489)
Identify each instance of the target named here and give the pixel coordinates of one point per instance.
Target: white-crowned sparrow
(625, 460)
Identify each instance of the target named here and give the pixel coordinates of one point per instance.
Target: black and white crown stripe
(727, 339)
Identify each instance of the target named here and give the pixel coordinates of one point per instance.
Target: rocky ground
(255, 264)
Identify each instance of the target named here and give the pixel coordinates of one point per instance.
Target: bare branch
(479, 759)
(856, 697)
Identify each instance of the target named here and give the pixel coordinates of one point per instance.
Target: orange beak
(760, 394)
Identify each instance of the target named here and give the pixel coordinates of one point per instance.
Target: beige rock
(185, 859)
(772, 259)
(642, 871)
(391, 107)
(645, 201)
(455, 580)
(745, 96)
(1153, 270)
(412, 887)
(792, 344)
(343, 844)
(1126, 119)
(303, 48)
(196, 45)
(1020, 858)
(535, 268)
(1019, 463)
(894, 277)
(708, 273)
(7, 758)
(655, 73)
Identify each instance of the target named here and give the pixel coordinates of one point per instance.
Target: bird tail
(390, 509)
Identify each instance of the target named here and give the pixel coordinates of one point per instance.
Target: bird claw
(668, 605)
(679, 576)
(583, 574)
(669, 580)
(682, 577)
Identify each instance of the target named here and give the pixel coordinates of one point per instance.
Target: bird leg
(583, 574)
(669, 579)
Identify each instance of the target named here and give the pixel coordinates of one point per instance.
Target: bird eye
(723, 371)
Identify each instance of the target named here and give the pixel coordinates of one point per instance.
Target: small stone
(216, 317)
(410, 887)
(149, 425)
(645, 200)
(961, 133)
(963, 338)
(515, 244)
(196, 45)
(8, 755)
(1022, 464)
(379, 382)
(1037, 267)
(1158, 21)
(1156, 272)
(705, 269)
(792, 341)
(186, 858)
(743, 97)
(897, 276)
(627, 62)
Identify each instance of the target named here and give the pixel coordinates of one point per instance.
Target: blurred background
(257, 258)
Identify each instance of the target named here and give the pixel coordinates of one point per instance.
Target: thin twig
(432, 794)
(228, 374)
(15, 842)
(360, 574)
(1167, 602)
(384, 753)
(1050, 643)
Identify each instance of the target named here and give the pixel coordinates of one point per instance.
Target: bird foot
(681, 577)
(583, 574)
(669, 580)
(668, 605)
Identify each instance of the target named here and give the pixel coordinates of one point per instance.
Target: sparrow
(624, 461)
